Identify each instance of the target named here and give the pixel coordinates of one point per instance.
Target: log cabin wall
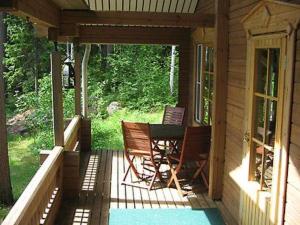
(235, 104)
(292, 212)
(235, 117)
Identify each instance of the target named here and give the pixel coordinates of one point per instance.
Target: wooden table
(167, 133)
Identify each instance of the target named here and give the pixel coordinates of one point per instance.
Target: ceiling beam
(42, 12)
(137, 18)
(131, 35)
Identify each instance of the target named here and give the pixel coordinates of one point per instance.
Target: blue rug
(165, 217)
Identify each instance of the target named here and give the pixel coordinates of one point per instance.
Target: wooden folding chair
(138, 143)
(173, 116)
(195, 148)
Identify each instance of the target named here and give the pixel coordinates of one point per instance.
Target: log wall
(292, 212)
(235, 117)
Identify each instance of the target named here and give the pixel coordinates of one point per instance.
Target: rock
(17, 124)
(113, 107)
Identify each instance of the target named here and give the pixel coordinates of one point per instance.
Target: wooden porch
(101, 173)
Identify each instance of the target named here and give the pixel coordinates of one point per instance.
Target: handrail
(26, 206)
(71, 133)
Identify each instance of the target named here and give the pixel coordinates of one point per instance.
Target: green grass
(107, 133)
(23, 165)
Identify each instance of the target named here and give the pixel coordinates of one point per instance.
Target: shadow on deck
(101, 174)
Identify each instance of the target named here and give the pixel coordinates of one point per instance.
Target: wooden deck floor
(101, 189)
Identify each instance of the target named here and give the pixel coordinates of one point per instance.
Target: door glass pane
(258, 161)
(259, 120)
(274, 54)
(261, 70)
(271, 123)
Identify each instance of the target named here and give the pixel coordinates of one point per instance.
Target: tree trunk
(85, 62)
(6, 196)
(173, 54)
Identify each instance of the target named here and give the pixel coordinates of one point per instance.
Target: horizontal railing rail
(38, 200)
(71, 134)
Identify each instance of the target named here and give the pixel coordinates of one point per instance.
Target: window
(265, 101)
(204, 84)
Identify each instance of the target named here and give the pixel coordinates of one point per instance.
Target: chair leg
(175, 180)
(131, 166)
(200, 171)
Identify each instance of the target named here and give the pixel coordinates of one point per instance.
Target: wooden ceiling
(167, 6)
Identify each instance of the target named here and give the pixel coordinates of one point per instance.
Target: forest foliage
(136, 76)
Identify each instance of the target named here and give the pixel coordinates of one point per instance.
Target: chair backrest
(196, 143)
(136, 136)
(173, 115)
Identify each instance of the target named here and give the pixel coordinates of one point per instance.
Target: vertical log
(219, 100)
(77, 81)
(57, 99)
(6, 196)
(185, 69)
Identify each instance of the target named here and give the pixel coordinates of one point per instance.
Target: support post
(219, 100)
(77, 81)
(57, 99)
(185, 51)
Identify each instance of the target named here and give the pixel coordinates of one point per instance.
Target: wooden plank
(129, 189)
(57, 99)
(219, 101)
(105, 5)
(114, 192)
(146, 5)
(97, 203)
(186, 6)
(126, 5)
(113, 5)
(139, 5)
(193, 6)
(132, 7)
(121, 170)
(137, 18)
(153, 5)
(173, 5)
(43, 12)
(106, 191)
(134, 35)
(179, 7)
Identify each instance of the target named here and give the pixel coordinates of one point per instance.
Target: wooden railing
(71, 134)
(38, 202)
(41, 199)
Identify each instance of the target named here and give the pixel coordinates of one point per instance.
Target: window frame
(201, 65)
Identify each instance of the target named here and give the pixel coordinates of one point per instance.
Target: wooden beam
(57, 99)
(7, 5)
(137, 18)
(132, 35)
(186, 51)
(43, 12)
(219, 100)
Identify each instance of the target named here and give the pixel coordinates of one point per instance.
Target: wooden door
(266, 64)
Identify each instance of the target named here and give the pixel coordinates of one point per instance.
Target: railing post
(57, 99)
